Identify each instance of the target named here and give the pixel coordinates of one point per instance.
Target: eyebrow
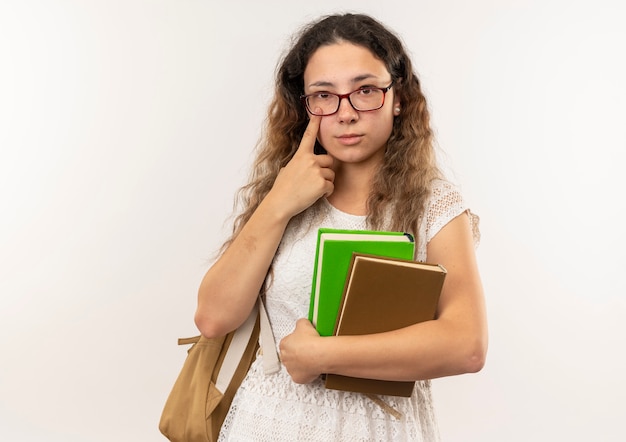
(356, 79)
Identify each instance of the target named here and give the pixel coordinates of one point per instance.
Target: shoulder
(445, 203)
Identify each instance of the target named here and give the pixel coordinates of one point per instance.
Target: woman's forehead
(343, 63)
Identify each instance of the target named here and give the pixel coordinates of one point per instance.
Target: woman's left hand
(300, 354)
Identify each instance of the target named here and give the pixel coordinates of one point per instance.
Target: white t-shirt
(274, 408)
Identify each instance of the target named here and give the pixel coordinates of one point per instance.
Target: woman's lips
(349, 139)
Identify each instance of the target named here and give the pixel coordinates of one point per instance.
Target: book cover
(383, 294)
(332, 261)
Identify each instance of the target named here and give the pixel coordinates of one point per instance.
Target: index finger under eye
(310, 134)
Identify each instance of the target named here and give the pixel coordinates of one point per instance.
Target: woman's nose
(346, 112)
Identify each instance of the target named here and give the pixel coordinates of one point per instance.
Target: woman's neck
(353, 184)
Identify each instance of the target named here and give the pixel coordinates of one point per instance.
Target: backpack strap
(271, 363)
(238, 345)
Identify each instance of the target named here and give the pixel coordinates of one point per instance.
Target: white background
(126, 126)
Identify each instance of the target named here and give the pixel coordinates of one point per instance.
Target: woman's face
(351, 136)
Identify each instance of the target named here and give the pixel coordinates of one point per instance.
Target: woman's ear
(396, 108)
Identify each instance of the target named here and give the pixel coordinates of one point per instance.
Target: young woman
(348, 86)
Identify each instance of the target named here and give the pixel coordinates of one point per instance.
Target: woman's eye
(366, 91)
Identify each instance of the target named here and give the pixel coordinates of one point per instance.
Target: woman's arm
(230, 287)
(454, 343)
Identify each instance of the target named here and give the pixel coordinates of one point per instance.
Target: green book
(332, 262)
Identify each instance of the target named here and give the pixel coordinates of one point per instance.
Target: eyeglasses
(363, 100)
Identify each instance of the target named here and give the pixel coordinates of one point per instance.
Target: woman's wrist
(273, 206)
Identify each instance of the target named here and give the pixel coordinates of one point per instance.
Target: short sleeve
(445, 204)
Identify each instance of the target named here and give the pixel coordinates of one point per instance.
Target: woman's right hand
(306, 178)
(228, 291)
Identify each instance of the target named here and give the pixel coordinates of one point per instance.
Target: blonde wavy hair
(401, 186)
